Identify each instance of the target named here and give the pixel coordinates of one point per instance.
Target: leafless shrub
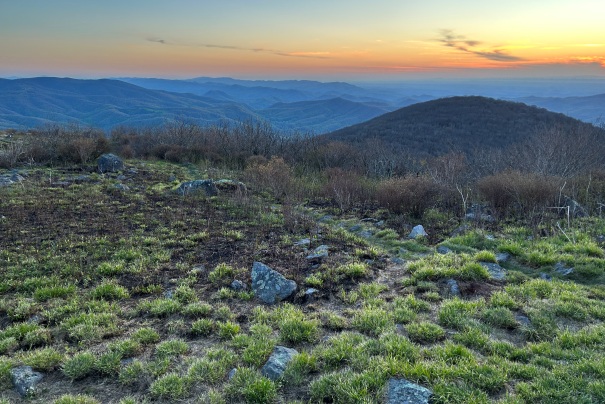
(411, 195)
(346, 188)
(519, 194)
(274, 175)
(12, 153)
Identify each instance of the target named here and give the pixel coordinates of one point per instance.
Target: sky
(312, 39)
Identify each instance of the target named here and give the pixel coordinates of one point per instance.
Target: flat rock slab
(401, 391)
(25, 380)
(270, 286)
(496, 271)
(278, 361)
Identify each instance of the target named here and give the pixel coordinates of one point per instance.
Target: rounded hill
(456, 123)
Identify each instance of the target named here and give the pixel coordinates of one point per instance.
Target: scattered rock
(502, 257)
(575, 209)
(230, 185)
(110, 163)
(270, 286)
(10, 179)
(460, 230)
(401, 391)
(418, 231)
(325, 218)
(278, 361)
(231, 373)
(561, 269)
(121, 177)
(482, 217)
(122, 187)
(453, 287)
(356, 228)
(496, 271)
(545, 276)
(25, 380)
(365, 234)
(310, 294)
(379, 224)
(523, 320)
(600, 239)
(303, 242)
(172, 178)
(319, 253)
(238, 285)
(443, 250)
(397, 261)
(192, 187)
(169, 294)
(199, 269)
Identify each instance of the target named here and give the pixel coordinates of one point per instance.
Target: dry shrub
(12, 153)
(409, 195)
(274, 176)
(518, 193)
(67, 143)
(346, 188)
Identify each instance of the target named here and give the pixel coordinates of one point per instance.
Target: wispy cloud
(461, 43)
(314, 55)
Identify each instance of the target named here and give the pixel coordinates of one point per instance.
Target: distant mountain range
(455, 123)
(289, 105)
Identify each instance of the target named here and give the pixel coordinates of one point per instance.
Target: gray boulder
(110, 163)
(25, 380)
(496, 271)
(401, 391)
(277, 362)
(418, 231)
(192, 187)
(270, 286)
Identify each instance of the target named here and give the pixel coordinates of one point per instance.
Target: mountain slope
(105, 103)
(455, 123)
(588, 109)
(321, 116)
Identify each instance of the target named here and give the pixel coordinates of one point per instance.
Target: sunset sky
(325, 40)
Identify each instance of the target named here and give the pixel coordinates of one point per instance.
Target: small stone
(502, 257)
(453, 287)
(169, 294)
(319, 253)
(238, 285)
(379, 224)
(523, 320)
(561, 269)
(397, 260)
(443, 250)
(401, 391)
(310, 294)
(172, 178)
(278, 361)
(25, 380)
(192, 187)
(122, 187)
(303, 242)
(356, 228)
(231, 373)
(418, 231)
(121, 177)
(496, 271)
(545, 276)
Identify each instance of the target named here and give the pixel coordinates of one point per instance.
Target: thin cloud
(459, 42)
(314, 55)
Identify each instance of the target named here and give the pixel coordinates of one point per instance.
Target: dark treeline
(525, 180)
